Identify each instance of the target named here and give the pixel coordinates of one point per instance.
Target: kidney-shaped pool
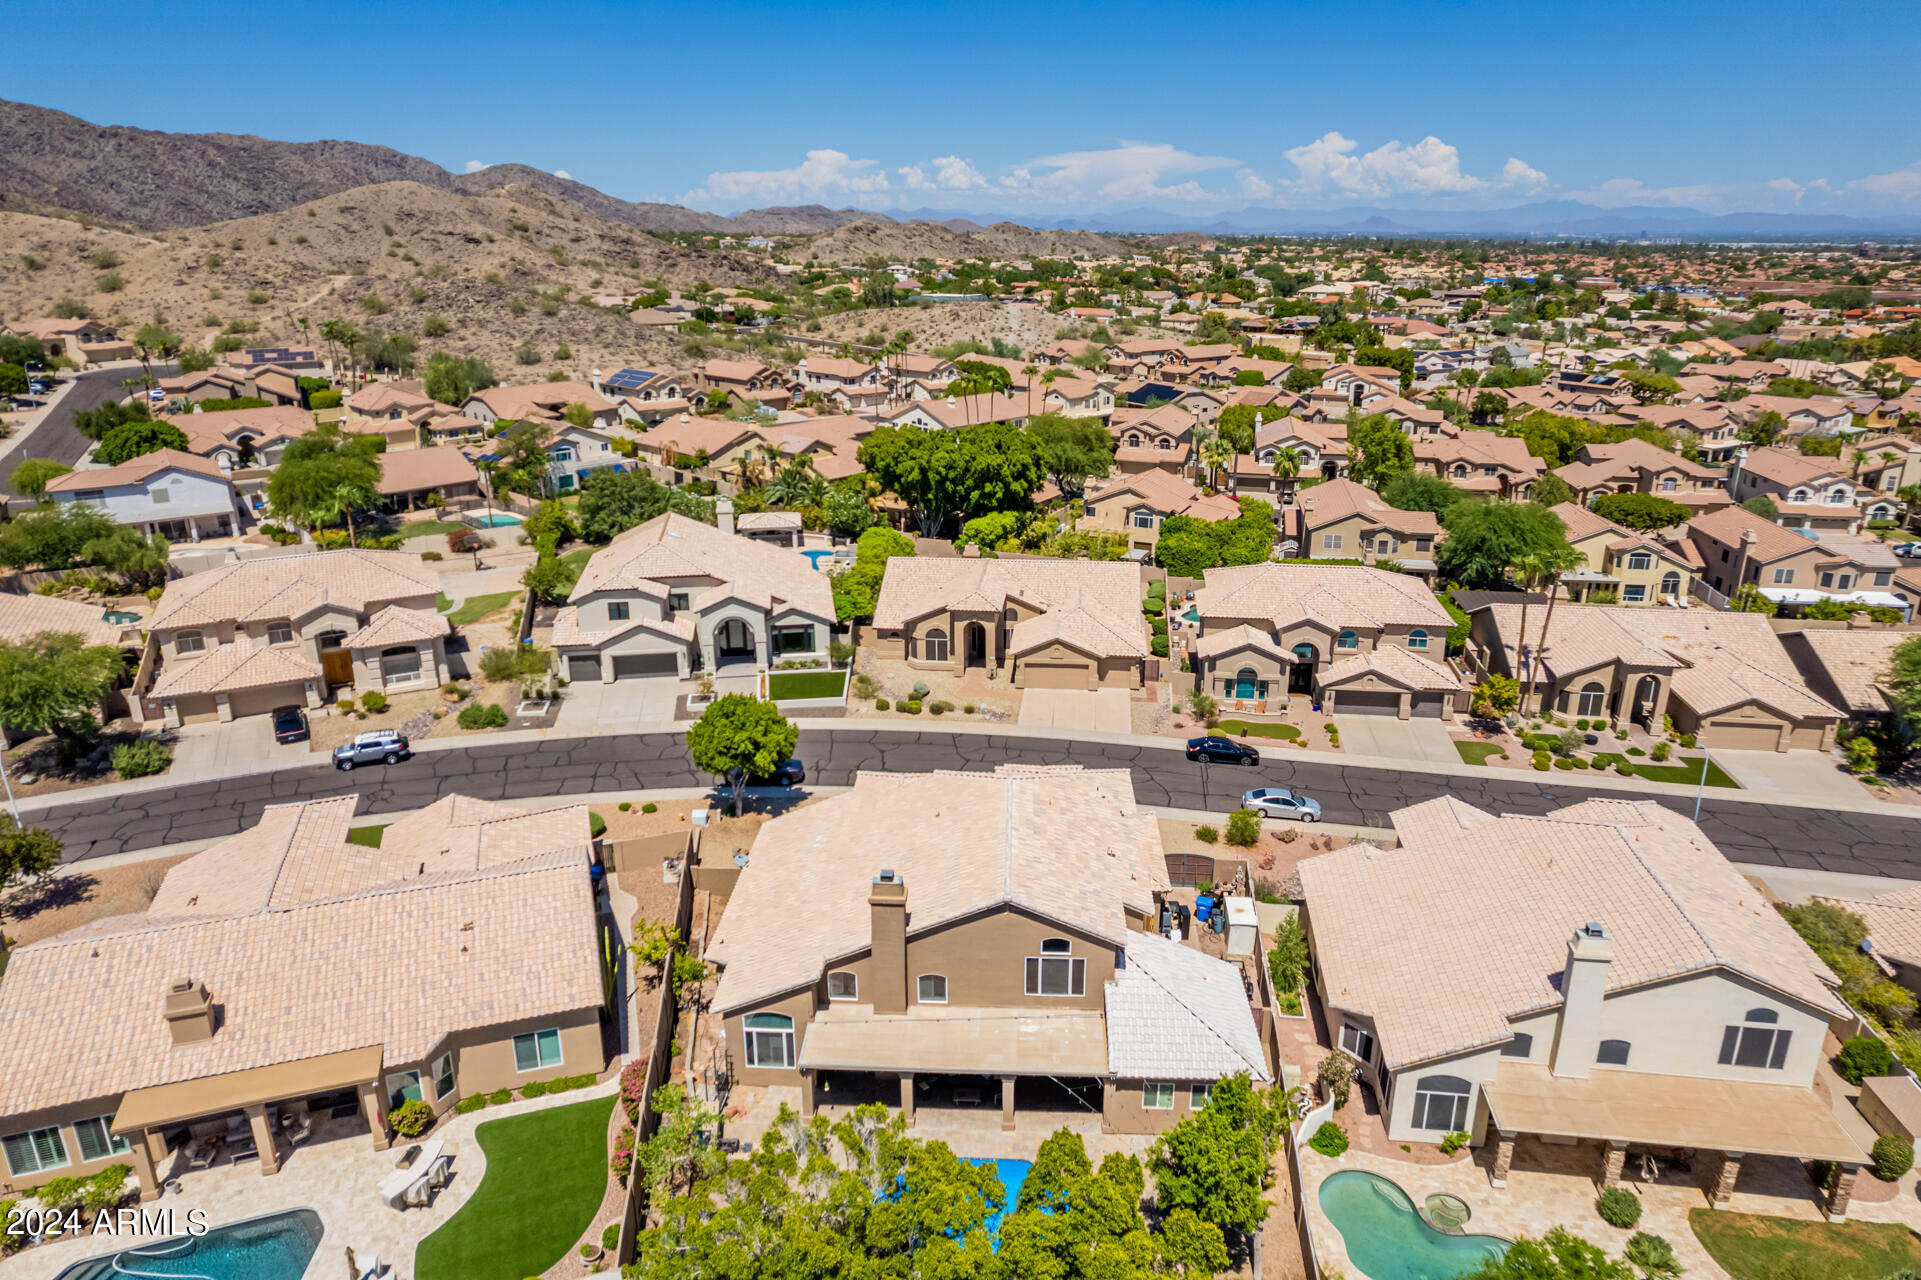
(1388, 1239)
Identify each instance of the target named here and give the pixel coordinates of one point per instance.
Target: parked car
(383, 745)
(1908, 550)
(289, 724)
(1218, 748)
(788, 773)
(1279, 802)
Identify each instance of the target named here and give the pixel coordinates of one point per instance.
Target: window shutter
(1033, 976)
(1780, 1049)
(1080, 977)
(1730, 1039)
(20, 1157)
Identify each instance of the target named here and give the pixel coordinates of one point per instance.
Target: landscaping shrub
(911, 707)
(141, 758)
(1206, 834)
(610, 1238)
(472, 1102)
(1564, 763)
(626, 805)
(1893, 1155)
(880, 704)
(1330, 1139)
(622, 1161)
(431, 555)
(1864, 1056)
(1687, 742)
(1452, 1143)
(1661, 752)
(483, 715)
(411, 1118)
(1652, 1254)
(1580, 763)
(1636, 751)
(1541, 760)
(345, 706)
(1619, 1207)
(633, 1088)
(500, 1097)
(374, 700)
(1243, 828)
(968, 708)
(533, 1089)
(937, 708)
(863, 685)
(596, 825)
(325, 399)
(650, 807)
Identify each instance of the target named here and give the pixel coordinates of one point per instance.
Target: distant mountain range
(157, 179)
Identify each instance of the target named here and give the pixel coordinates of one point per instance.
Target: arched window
(1011, 614)
(1417, 639)
(280, 631)
(933, 647)
(189, 642)
(770, 1039)
(330, 640)
(1133, 439)
(931, 988)
(1592, 701)
(1757, 1042)
(1800, 495)
(1347, 640)
(843, 985)
(1671, 584)
(1613, 1053)
(1837, 495)
(1521, 1046)
(1460, 471)
(1245, 681)
(1440, 1102)
(1304, 653)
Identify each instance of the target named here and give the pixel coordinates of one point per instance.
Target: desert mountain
(906, 241)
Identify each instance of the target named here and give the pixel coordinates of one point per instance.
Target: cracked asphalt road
(1746, 831)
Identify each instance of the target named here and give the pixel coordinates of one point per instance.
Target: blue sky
(1048, 108)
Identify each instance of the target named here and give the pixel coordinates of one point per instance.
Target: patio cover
(988, 1042)
(183, 1100)
(1670, 1111)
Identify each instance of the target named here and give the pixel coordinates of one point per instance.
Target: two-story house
(1136, 504)
(239, 438)
(943, 938)
(848, 384)
(674, 596)
(1635, 466)
(183, 497)
(1808, 492)
(1361, 641)
(1611, 980)
(1639, 568)
(746, 380)
(248, 637)
(642, 395)
(1168, 428)
(1342, 520)
(539, 400)
(1480, 462)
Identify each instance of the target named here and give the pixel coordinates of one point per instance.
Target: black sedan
(788, 773)
(289, 724)
(1225, 750)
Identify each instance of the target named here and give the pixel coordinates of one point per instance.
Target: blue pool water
(1193, 613)
(1012, 1174)
(277, 1247)
(497, 520)
(815, 556)
(1388, 1239)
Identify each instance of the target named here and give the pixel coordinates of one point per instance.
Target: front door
(1300, 677)
(734, 640)
(976, 645)
(337, 665)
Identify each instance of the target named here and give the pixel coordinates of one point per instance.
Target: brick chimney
(1583, 983)
(188, 1011)
(887, 980)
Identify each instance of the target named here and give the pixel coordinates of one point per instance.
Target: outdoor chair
(202, 1154)
(440, 1172)
(301, 1131)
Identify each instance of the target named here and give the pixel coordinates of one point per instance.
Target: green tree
(1217, 1162)
(847, 513)
(677, 1156)
(29, 479)
(1496, 696)
(54, 537)
(857, 588)
(150, 342)
(1558, 1255)
(522, 447)
(1058, 1165)
(992, 466)
(1486, 539)
(612, 502)
(95, 423)
(131, 440)
(1378, 450)
(13, 380)
(1748, 599)
(451, 379)
(1762, 505)
(1643, 511)
(325, 476)
(740, 738)
(1903, 685)
(1418, 491)
(52, 682)
(1551, 491)
(1074, 449)
(978, 378)
(26, 853)
(1300, 380)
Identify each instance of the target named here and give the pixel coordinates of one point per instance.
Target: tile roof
(310, 945)
(1392, 662)
(1335, 596)
(1064, 843)
(672, 547)
(535, 399)
(25, 616)
(1856, 661)
(1784, 468)
(207, 431)
(1465, 927)
(1771, 541)
(292, 586)
(247, 663)
(1174, 1013)
(137, 471)
(1093, 605)
(395, 625)
(411, 470)
(1893, 920)
(1337, 499)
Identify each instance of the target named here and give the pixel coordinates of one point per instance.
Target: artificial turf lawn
(1756, 1247)
(1478, 752)
(1247, 728)
(474, 608)
(546, 1176)
(369, 836)
(805, 684)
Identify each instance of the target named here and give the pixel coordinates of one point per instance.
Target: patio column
(264, 1139)
(806, 1095)
(1843, 1190)
(142, 1156)
(1723, 1190)
(1503, 1156)
(907, 1097)
(1615, 1157)
(1007, 1102)
(1405, 707)
(375, 1113)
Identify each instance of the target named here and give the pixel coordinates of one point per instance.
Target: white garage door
(584, 668)
(1723, 735)
(1428, 706)
(1363, 703)
(1055, 675)
(642, 666)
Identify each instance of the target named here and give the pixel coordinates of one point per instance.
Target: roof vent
(1593, 929)
(885, 877)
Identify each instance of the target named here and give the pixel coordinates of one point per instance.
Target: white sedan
(1278, 802)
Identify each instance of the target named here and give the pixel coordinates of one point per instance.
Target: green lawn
(1479, 752)
(1688, 771)
(1753, 1247)
(474, 608)
(369, 836)
(1236, 728)
(546, 1176)
(578, 559)
(441, 602)
(805, 684)
(429, 528)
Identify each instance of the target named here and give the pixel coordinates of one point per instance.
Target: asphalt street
(1749, 832)
(55, 436)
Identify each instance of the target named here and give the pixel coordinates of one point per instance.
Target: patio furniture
(301, 1130)
(967, 1097)
(373, 1269)
(440, 1172)
(202, 1154)
(397, 1188)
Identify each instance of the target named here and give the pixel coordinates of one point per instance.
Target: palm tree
(350, 496)
(1286, 465)
(1550, 564)
(1525, 569)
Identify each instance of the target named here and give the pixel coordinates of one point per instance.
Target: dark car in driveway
(289, 724)
(1222, 749)
(788, 773)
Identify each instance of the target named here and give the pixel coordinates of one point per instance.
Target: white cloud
(1522, 175)
(1131, 171)
(951, 173)
(562, 173)
(1902, 184)
(824, 174)
(475, 166)
(1253, 186)
(1429, 167)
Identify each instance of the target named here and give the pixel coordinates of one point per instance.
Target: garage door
(1055, 675)
(1427, 706)
(254, 702)
(583, 668)
(1736, 736)
(641, 666)
(1361, 703)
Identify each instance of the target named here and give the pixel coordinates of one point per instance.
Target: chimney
(1583, 984)
(887, 968)
(724, 514)
(188, 1011)
(1859, 620)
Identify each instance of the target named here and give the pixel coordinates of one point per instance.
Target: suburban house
(411, 478)
(575, 452)
(1342, 520)
(181, 496)
(1134, 505)
(245, 638)
(929, 371)
(1635, 466)
(259, 994)
(996, 927)
(953, 412)
(1480, 462)
(1060, 624)
(1848, 665)
(849, 384)
(1738, 547)
(828, 445)
(228, 382)
(1723, 676)
(238, 438)
(1810, 492)
(674, 596)
(82, 341)
(1713, 428)
(1639, 568)
(1168, 427)
(1885, 465)
(688, 444)
(543, 400)
(1820, 417)
(1076, 397)
(390, 402)
(1361, 641)
(641, 394)
(1894, 936)
(1611, 980)
(745, 380)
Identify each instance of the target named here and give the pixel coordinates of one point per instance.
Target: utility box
(1243, 927)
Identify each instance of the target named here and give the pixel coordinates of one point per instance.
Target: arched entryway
(1247, 683)
(734, 640)
(1300, 677)
(1647, 692)
(976, 644)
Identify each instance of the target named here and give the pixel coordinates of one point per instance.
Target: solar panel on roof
(630, 378)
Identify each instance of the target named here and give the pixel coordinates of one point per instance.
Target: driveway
(206, 752)
(1102, 710)
(1391, 739)
(626, 706)
(1803, 775)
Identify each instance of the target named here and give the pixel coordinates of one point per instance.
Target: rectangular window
(677, 600)
(793, 639)
(161, 495)
(1332, 541)
(1883, 577)
(1056, 976)
(443, 1076)
(36, 1152)
(1198, 1095)
(536, 1049)
(1755, 1046)
(1634, 593)
(1143, 519)
(1157, 1095)
(842, 986)
(402, 1086)
(1782, 576)
(97, 1139)
(616, 611)
(279, 633)
(1827, 579)
(1357, 1042)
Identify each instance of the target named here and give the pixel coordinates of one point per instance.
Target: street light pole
(1707, 758)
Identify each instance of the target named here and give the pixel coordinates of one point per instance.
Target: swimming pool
(1386, 1237)
(1012, 1174)
(276, 1247)
(816, 555)
(497, 520)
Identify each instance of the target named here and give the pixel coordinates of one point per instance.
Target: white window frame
(1199, 1095)
(1783, 576)
(443, 1067)
(1638, 560)
(1459, 1111)
(1347, 640)
(851, 984)
(935, 646)
(181, 645)
(535, 1037)
(111, 1143)
(1358, 1042)
(1332, 541)
(1035, 969)
(33, 1138)
(280, 631)
(1142, 519)
(1634, 593)
(920, 991)
(750, 1039)
(1157, 1095)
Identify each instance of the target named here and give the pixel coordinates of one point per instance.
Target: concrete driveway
(205, 752)
(1392, 739)
(1801, 775)
(626, 706)
(1102, 710)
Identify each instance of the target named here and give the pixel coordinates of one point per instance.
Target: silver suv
(383, 745)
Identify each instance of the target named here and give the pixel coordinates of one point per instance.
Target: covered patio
(1724, 1121)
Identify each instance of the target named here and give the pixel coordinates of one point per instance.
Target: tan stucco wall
(1122, 1111)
